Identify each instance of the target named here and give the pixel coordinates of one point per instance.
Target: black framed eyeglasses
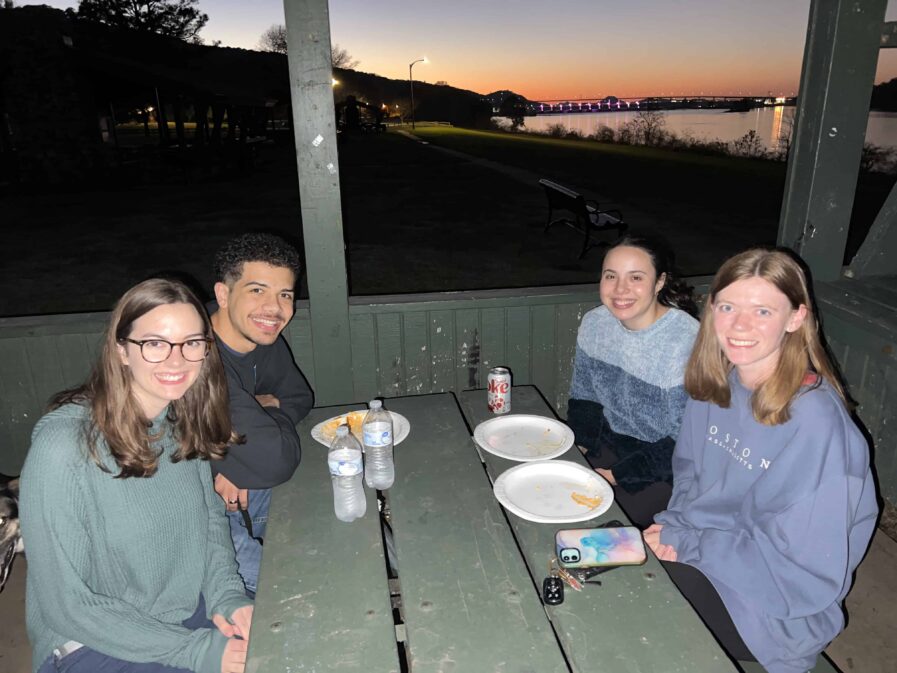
(159, 350)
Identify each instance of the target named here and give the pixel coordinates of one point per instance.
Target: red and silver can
(499, 390)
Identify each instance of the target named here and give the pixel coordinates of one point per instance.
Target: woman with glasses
(130, 564)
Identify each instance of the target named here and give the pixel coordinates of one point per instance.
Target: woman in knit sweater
(774, 502)
(130, 562)
(627, 396)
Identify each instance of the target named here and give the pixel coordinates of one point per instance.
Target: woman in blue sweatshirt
(773, 503)
(627, 394)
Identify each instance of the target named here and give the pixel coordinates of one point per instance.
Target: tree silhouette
(174, 18)
(340, 58)
(275, 39)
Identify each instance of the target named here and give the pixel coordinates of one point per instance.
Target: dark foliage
(173, 18)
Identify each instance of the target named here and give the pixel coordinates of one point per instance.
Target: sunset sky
(575, 49)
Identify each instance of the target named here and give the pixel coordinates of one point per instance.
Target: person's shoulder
(596, 318)
(678, 334)
(818, 406)
(683, 322)
(67, 419)
(816, 395)
(58, 437)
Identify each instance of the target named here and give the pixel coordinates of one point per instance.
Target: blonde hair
(201, 418)
(802, 352)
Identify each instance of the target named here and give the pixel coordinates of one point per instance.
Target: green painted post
(876, 256)
(840, 58)
(311, 89)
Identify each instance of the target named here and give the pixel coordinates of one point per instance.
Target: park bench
(587, 216)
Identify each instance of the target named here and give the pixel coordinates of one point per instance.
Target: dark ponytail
(675, 293)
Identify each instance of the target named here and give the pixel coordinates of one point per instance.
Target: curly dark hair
(254, 247)
(675, 292)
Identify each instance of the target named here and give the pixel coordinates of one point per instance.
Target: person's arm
(645, 464)
(222, 587)
(585, 417)
(55, 506)
(283, 380)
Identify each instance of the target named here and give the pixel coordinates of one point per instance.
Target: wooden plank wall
(859, 322)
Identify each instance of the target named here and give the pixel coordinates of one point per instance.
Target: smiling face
(629, 287)
(154, 385)
(750, 319)
(254, 309)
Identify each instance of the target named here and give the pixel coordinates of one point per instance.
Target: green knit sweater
(118, 564)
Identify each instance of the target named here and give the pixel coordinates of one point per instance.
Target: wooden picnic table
(467, 596)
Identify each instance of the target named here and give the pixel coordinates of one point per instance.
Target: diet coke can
(499, 390)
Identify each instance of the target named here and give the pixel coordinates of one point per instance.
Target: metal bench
(587, 216)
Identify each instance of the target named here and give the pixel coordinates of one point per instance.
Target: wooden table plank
(323, 602)
(469, 603)
(637, 621)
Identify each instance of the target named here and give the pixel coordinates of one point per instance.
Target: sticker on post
(318, 140)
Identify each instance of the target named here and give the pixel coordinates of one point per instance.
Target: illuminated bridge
(614, 104)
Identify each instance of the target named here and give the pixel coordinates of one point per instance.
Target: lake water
(768, 122)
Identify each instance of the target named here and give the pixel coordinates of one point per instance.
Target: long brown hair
(201, 418)
(706, 375)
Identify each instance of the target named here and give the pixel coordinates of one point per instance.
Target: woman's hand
(607, 474)
(663, 552)
(234, 658)
(234, 498)
(239, 624)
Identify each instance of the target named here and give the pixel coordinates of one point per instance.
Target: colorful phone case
(600, 547)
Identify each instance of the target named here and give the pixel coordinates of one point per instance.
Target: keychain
(552, 586)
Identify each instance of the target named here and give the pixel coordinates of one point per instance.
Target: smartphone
(600, 547)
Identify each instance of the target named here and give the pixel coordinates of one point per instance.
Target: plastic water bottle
(379, 470)
(345, 462)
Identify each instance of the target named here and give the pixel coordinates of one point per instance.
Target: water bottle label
(379, 434)
(345, 465)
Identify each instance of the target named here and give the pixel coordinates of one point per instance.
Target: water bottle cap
(375, 404)
(342, 431)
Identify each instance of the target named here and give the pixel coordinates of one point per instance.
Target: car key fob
(553, 590)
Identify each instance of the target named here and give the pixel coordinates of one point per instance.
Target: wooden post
(840, 58)
(308, 36)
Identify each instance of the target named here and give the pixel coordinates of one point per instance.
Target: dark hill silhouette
(65, 84)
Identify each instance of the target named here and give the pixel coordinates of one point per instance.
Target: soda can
(499, 390)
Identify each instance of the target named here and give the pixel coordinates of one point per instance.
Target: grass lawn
(416, 219)
(732, 197)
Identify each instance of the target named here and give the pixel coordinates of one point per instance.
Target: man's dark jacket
(271, 451)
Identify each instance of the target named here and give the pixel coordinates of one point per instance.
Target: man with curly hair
(255, 290)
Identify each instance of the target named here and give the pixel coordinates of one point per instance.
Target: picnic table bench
(587, 216)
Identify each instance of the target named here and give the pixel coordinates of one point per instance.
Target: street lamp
(411, 83)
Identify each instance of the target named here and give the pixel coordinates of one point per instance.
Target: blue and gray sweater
(627, 393)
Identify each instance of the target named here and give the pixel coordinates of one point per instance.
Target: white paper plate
(325, 431)
(553, 491)
(524, 437)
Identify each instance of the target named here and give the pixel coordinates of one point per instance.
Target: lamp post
(411, 83)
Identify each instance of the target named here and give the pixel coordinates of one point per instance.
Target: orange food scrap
(585, 500)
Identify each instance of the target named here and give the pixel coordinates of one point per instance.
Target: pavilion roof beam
(311, 91)
(840, 58)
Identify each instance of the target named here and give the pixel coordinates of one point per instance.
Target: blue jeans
(86, 660)
(248, 549)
